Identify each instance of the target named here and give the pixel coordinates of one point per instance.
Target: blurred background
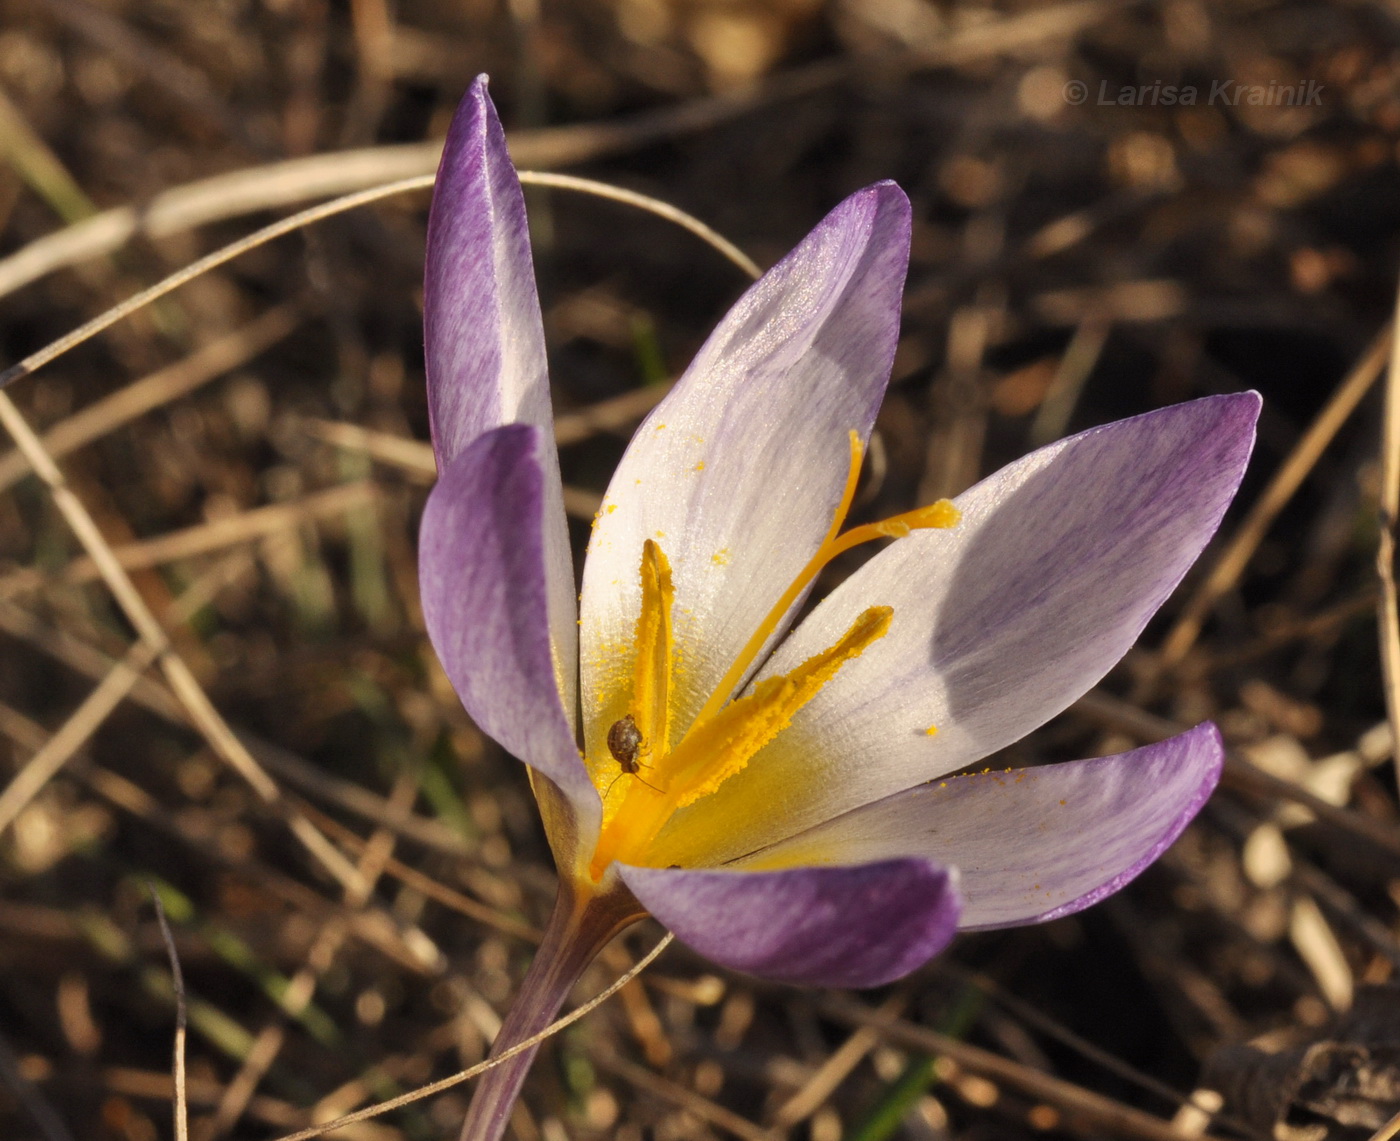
(1117, 206)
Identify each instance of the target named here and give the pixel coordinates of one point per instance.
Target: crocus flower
(779, 797)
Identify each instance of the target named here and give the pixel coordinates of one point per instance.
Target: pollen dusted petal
(1030, 844)
(1004, 620)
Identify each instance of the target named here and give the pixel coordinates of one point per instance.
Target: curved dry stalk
(651, 205)
(491, 1063)
(1230, 564)
(177, 979)
(55, 349)
(294, 181)
(1388, 617)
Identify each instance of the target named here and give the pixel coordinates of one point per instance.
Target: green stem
(580, 926)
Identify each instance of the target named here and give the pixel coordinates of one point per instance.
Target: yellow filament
(651, 678)
(716, 749)
(941, 514)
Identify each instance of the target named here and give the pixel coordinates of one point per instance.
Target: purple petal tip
(848, 926)
(1202, 747)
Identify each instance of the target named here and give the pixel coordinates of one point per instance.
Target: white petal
(999, 623)
(1029, 844)
(737, 472)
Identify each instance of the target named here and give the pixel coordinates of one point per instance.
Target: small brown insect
(625, 742)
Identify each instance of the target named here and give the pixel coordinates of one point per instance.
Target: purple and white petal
(483, 573)
(820, 926)
(483, 335)
(1030, 844)
(999, 624)
(737, 472)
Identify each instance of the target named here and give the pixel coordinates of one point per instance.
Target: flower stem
(581, 925)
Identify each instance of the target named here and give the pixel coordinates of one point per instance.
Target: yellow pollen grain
(1062, 803)
(700, 466)
(611, 508)
(931, 731)
(720, 558)
(659, 427)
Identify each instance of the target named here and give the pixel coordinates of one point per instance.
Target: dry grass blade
(203, 1091)
(1230, 564)
(45, 764)
(376, 852)
(415, 457)
(687, 1099)
(651, 206)
(1388, 1131)
(106, 415)
(56, 349)
(491, 1063)
(832, 1072)
(298, 180)
(1105, 1116)
(182, 681)
(431, 888)
(246, 527)
(177, 976)
(1389, 616)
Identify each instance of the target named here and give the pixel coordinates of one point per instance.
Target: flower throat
(725, 735)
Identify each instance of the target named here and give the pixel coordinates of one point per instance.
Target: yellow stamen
(718, 748)
(941, 514)
(726, 734)
(651, 676)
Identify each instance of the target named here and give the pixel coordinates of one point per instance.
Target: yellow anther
(716, 749)
(651, 674)
(722, 746)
